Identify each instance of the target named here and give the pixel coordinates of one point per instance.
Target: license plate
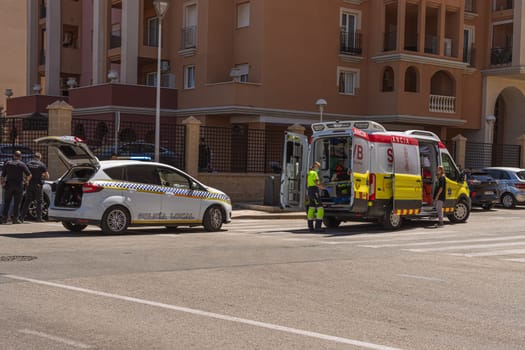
(489, 193)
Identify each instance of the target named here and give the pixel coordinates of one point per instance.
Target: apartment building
(449, 66)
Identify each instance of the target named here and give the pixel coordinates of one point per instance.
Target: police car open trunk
(81, 164)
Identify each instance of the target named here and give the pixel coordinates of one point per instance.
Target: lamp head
(321, 103)
(161, 7)
(8, 93)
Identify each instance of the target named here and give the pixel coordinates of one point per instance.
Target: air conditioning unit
(235, 74)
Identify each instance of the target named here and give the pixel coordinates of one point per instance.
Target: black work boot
(318, 226)
(311, 225)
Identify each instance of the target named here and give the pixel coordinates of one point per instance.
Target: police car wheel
(392, 221)
(31, 209)
(115, 220)
(460, 214)
(213, 218)
(73, 227)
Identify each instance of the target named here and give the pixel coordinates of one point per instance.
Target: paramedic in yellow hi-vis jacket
(315, 209)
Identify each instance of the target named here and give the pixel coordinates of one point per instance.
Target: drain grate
(17, 258)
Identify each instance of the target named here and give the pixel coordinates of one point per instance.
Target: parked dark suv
(483, 189)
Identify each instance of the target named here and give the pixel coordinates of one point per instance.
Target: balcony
(503, 5)
(442, 104)
(501, 56)
(350, 43)
(432, 44)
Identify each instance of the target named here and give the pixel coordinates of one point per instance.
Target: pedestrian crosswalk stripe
(495, 253)
(516, 260)
(474, 246)
(445, 242)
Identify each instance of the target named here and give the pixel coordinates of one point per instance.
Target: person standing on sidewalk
(315, 209)
(34, 191)
(440, 193)
(12, 180)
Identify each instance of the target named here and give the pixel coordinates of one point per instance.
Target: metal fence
(479, 155)
(107, 137)
(20, 133)
(239, 149)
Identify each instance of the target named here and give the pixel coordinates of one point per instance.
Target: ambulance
(371, 174)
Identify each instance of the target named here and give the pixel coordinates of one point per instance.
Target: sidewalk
(259, 211)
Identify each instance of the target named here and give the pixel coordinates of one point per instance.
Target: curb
(269, 216)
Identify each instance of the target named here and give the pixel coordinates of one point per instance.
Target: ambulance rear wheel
(331, 222)
(73, 227)
(392, 221)
(460, 214)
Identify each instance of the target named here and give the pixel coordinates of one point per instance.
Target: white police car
(116, 194)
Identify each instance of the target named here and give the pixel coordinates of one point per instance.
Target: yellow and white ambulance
(371, 174)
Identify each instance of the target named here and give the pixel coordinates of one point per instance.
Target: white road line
(458, 247)
(445, 242)
(422, 278)
(516, 260)
(270, 326)
(494, 253)
(69, 342)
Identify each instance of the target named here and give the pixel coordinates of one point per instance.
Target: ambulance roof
(365, 125)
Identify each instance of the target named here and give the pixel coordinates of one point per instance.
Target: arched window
(443, 84)
(411, 80)
(388, 79)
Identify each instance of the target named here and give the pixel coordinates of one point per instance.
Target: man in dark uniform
(34, 191)
(13, 181)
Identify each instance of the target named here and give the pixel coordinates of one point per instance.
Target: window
(243, 15)
(347, 81)
(411, 80)
(388, 79)
(153, 31)
(171, 178)
(350, 39)
(151, 79)
(243, 70)
(143, 174)
(189, 77)
(189, 30)
(451, 171)
(115, 173)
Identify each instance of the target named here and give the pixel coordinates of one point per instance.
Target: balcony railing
(470, 6)
(390, 43)
(411, 41)
(501, 55)
(442, 104)
(189, 37)
(350, 43)
(469, 55)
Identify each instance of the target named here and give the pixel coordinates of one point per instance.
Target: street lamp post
(321, 103)
(161, 6)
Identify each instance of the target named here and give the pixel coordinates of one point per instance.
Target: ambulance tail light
(372, 187)
(89, 187)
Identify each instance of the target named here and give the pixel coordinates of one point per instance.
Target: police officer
(12, 180)
(34, 192)
(315, 209)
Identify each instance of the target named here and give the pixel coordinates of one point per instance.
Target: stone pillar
(32, 46)
(130, 42)
(193, 130)
(441, 26)
(297, 128)
(53, 48)
(60, 115)
(461, 150)
(100, 41)
(401, 18)
(521, 140)
(421, 25)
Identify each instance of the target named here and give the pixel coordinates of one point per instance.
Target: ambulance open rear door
(295, 168)
(407, 185)
(360, 171)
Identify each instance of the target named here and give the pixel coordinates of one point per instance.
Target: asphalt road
(266, 284)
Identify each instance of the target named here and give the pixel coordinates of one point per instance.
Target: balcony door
(348, 30)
